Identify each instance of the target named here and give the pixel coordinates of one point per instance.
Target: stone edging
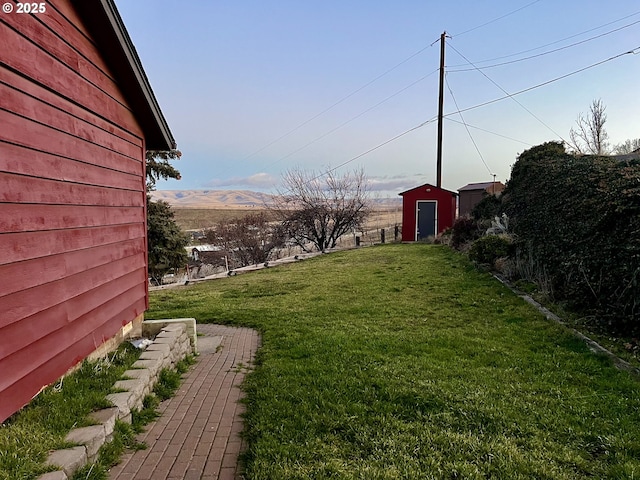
(593, 345)
(174, 341)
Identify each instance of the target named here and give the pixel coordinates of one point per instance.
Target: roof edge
(159, 136)
(429, 185)
(480, 185)
(136, 64)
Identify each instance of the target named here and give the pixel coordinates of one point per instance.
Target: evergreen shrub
(579, 218)
(488, 249)
(464, 230)
(490, 206)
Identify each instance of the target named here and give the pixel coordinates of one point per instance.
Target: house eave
(455, 194)
(108, 30)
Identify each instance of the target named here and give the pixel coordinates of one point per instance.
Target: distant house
(471, 194)
(635, 155)
(200, 252)
(426, 211)
(77, 115)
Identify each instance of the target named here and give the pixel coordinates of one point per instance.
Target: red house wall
(446, 209)
(72, 202)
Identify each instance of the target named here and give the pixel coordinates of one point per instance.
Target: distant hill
(229, 199)
(213, 198)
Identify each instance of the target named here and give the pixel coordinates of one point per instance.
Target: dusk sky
(253, 88)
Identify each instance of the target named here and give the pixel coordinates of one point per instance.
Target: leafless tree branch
(318, 209)
(590, 137)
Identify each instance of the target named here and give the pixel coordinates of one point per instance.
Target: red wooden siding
(446, 209)
(72, 202)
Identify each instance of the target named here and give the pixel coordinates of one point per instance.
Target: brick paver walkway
(197, 435)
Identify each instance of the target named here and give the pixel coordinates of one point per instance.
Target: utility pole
(440, 113)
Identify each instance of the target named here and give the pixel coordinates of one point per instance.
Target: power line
(352, 118)
(562, 77)
(459, 111)
(496, 19)
(343, 99)
(467, 128)
(512, 98)
(433, 119)
(490, 132)
(386, 142)
(543, 53)
(548, 44)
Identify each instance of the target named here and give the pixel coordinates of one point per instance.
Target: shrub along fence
(577, 223)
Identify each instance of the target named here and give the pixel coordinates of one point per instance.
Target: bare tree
(589, 137)
(319, 209)
(249, 239)
(628, 146)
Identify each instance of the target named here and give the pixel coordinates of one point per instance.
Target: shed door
(426, 224)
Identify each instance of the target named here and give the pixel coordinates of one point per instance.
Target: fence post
(396, 231)
(382, 235)
(357, 241)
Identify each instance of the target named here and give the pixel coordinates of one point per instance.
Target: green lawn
(403, 361)
(28, 436)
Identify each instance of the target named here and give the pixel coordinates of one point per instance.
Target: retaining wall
(174, 340)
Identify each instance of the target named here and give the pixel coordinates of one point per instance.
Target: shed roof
(203, 248)
(427, 185)
(102, 19)
(478, 186)
(635, 155)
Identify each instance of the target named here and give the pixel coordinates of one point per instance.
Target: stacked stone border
(595, 347)
(174, 340)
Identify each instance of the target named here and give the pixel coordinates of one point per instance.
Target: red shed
(77, 113)
(426, 211)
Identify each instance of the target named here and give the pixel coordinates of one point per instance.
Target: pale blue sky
(235, 77)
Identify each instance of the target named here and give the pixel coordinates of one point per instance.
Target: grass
(625, 347)
(404, 362)
(124, 435)
(169, 380)
(201, 218)
(28, 436)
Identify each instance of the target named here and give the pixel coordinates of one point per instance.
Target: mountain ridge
(213, 198)
(231, 199)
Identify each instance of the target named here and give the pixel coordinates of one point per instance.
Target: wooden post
(440, 113)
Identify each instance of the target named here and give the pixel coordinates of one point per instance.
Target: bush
(464, 230)
(489, 207)
(444, 238)
(246, 240)
(488, 249)
(578, 219)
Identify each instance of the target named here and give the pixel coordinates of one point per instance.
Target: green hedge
(578, 217)
(489, 248)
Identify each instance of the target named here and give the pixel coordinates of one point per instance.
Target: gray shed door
(426, 224)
